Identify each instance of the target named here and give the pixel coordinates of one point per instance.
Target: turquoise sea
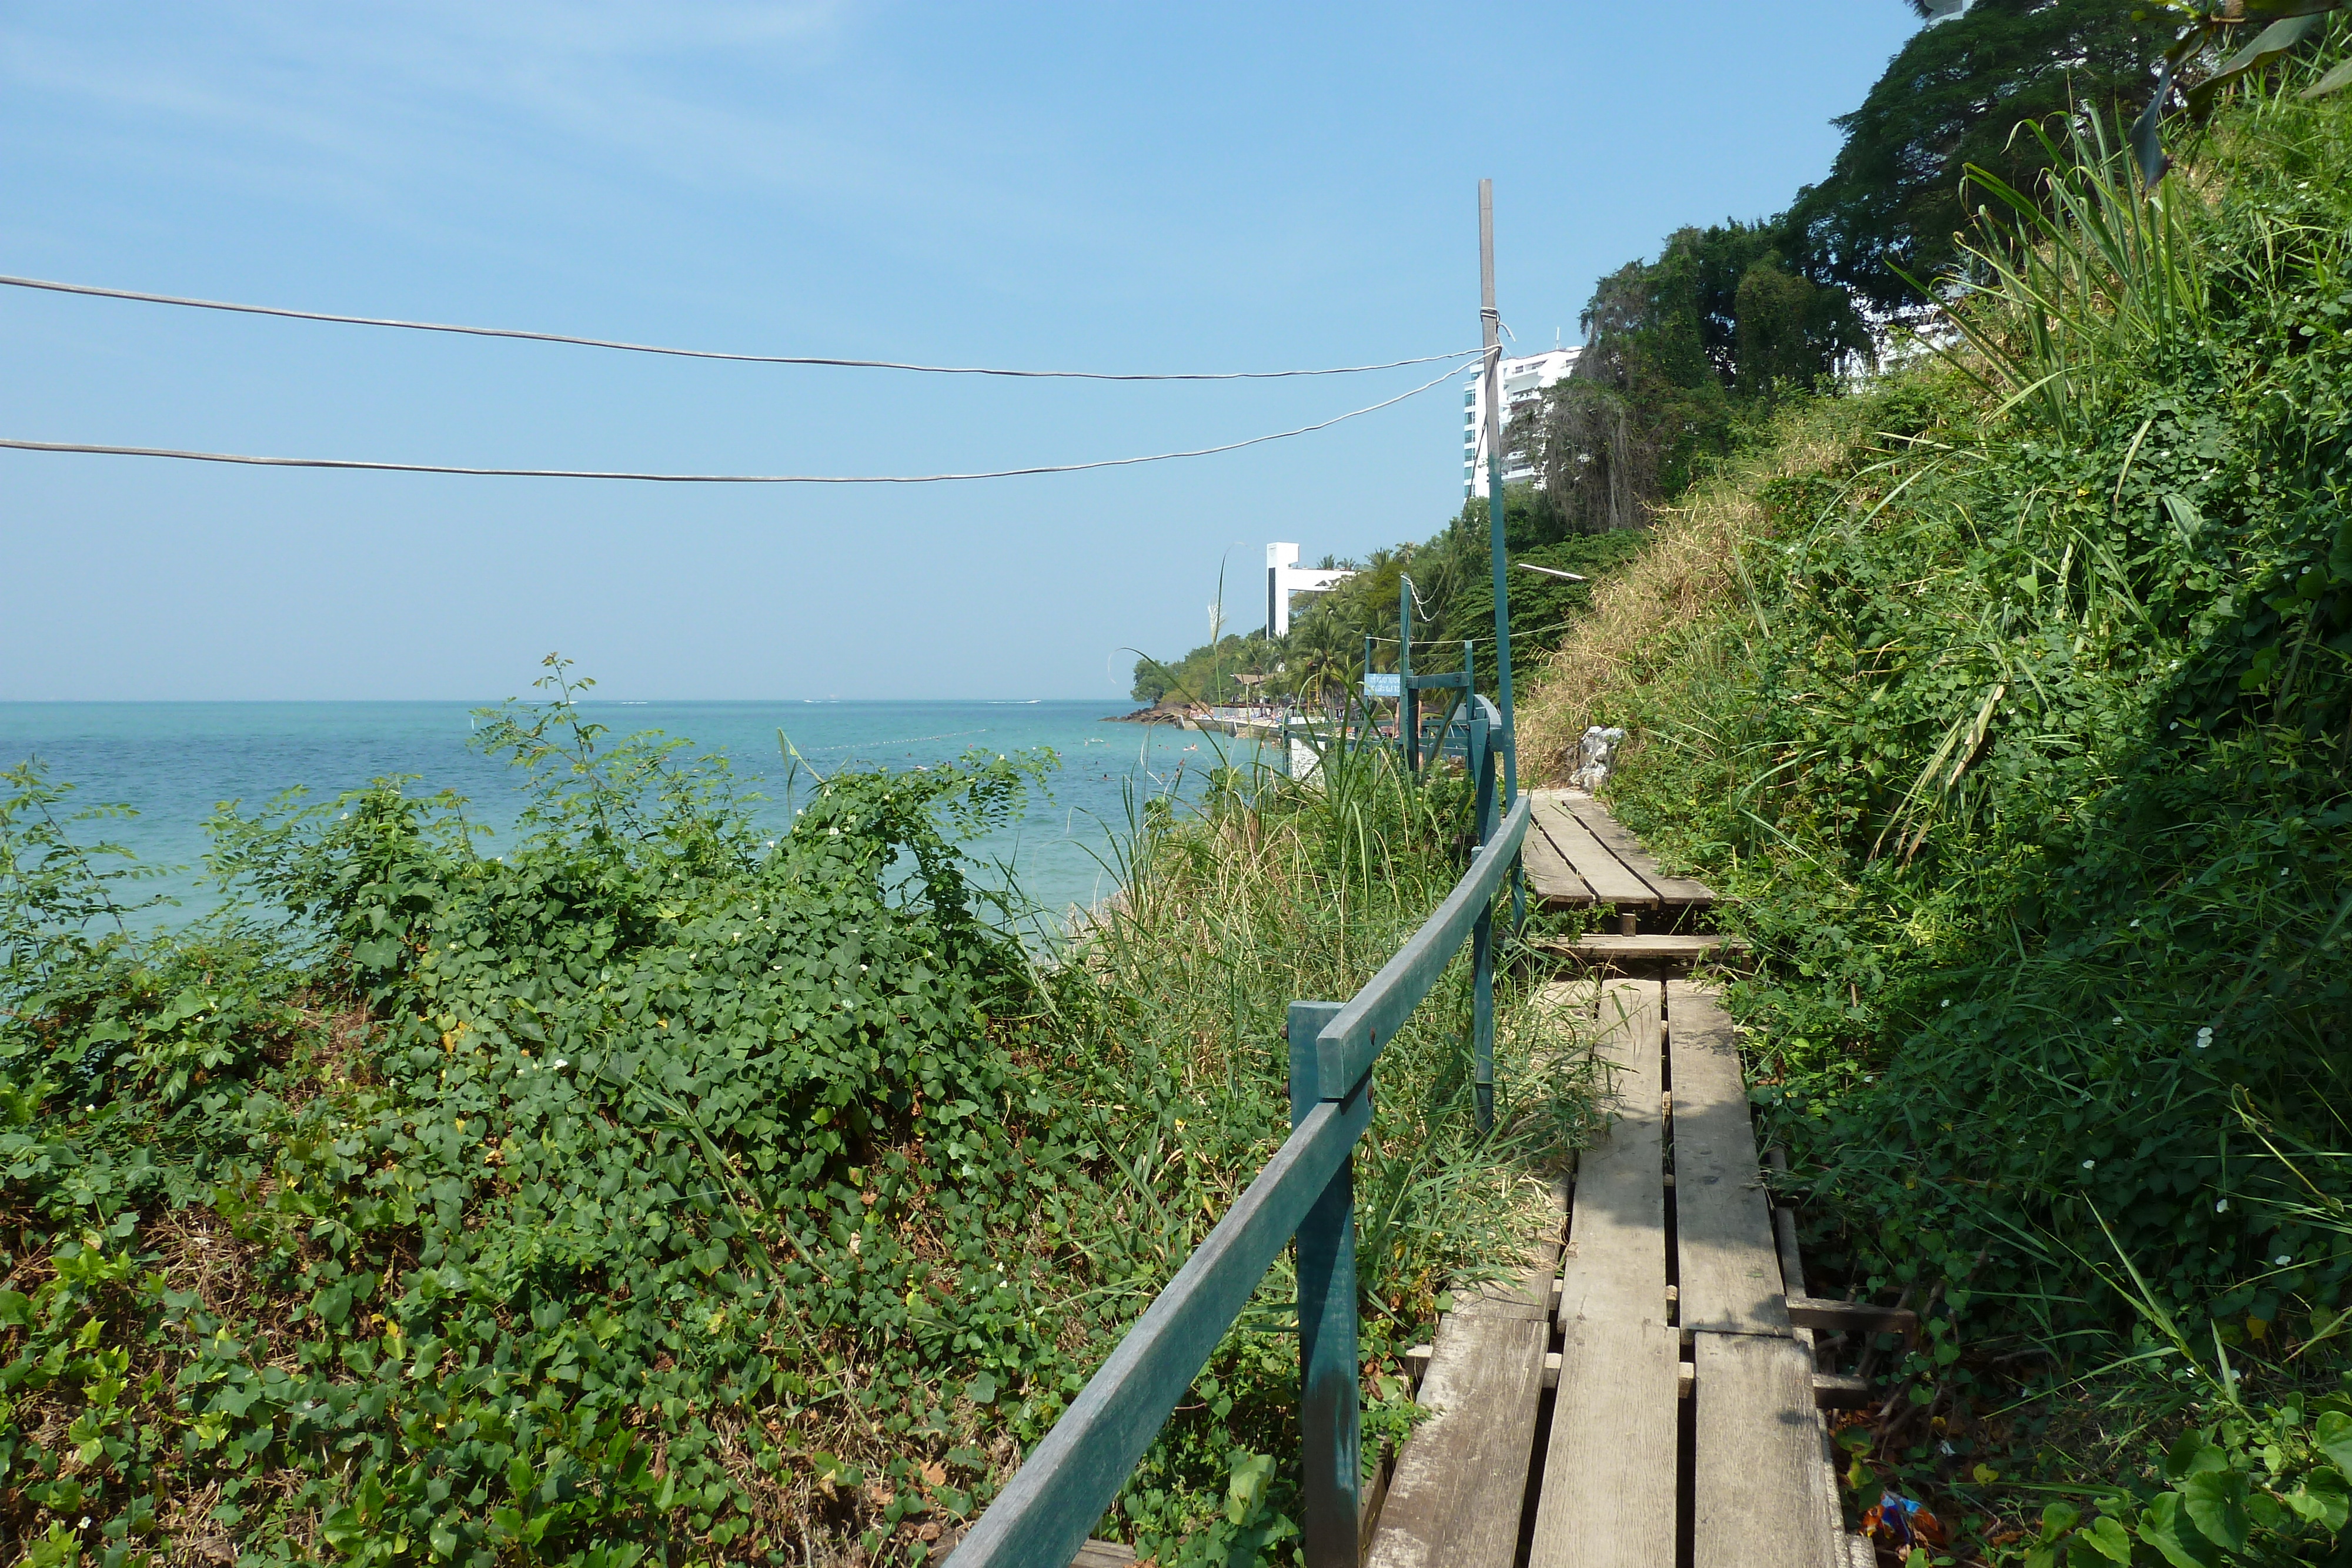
(172, 762)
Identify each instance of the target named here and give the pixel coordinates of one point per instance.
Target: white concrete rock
(1594, 752)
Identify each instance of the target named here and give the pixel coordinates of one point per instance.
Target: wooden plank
(1660, 944)
(1349, 1042)
(1608, 1498)
(1549, 876)
(1837, 1391)
(1852, 1317)
(1460, 1483)
(1614, 1270)
(1758, 1470)
(1726, 1262)
(1603, 872)
(1628, 849)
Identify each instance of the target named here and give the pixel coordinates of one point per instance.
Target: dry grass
(1641, 614)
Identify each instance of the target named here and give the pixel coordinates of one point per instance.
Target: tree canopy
(1955, 96)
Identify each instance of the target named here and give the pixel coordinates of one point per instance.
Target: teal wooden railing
(1307, 1191)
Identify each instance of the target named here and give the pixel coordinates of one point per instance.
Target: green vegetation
(1453, 601)
(2017, 721)
(654, 1191)
(1892, 208)
(1686, 356)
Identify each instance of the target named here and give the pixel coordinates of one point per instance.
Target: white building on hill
(1285, 577)
(1523, 382)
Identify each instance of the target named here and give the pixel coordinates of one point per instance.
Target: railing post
(1330, 1408)
(1482, 943)
(1408, 699)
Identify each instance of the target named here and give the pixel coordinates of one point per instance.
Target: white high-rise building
(1523, 382)
(1285, 577)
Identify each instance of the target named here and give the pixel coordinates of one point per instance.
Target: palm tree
(1319, 654)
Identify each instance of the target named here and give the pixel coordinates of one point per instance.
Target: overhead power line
(96, 292)
(94, 449)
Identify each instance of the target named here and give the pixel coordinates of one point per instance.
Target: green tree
(1952, 97)
(1677, 351)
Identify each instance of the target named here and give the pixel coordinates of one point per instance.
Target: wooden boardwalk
(1577, 856)
(1654, 1402)
(1642, 1388)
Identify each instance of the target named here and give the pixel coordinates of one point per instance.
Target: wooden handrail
(1307, 1191)
(1349, 1044)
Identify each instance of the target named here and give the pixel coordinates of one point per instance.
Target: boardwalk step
(1850, 1317)
(1606, 948)
(1677, 1341)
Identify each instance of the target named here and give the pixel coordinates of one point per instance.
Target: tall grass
(1273, 891)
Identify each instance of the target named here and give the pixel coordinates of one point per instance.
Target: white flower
(2088, 1163)
(561, 1062)
(2223, 1207)
(2283, 1260)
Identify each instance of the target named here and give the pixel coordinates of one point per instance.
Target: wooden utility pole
(1491, 322)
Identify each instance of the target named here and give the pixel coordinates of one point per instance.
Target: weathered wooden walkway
(1645, 1393)
(1577, 856)
(1641, 1389)
(1641, 1397)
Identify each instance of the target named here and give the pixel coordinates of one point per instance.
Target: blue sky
(1202, 186)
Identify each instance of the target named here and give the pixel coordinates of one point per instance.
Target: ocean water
(172, 762)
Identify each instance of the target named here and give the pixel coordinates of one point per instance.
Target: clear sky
(1202, 186)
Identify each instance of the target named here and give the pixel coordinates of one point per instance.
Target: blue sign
(1385, 685)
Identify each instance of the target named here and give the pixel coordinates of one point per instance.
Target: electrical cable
(93, 449)
(94, 291)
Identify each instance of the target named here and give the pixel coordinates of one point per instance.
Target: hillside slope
(2012, 701)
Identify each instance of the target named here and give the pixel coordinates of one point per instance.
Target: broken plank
(1614, 1268)
(1727, 1263)
(1461, 1481)
(1608, 1498)
(1758, 1473)
(1601, 871)
(1614, 836)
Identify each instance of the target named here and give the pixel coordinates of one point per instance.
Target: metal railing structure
(1307, 1191)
